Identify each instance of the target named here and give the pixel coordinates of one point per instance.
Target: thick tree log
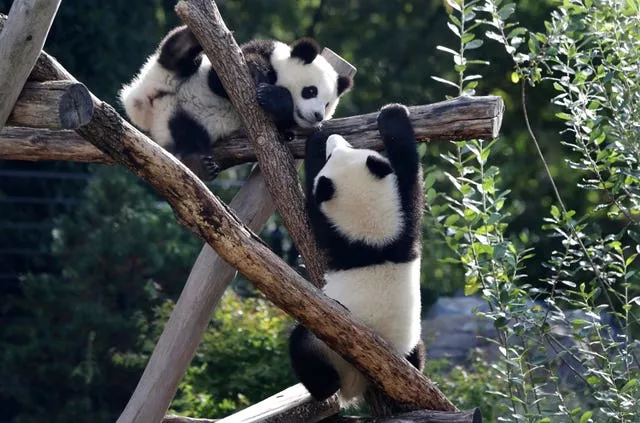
(458, 119)
(21, 40)
(52, 105)
(418, 416)
(199, 210)
(276, 161)
(181, 336)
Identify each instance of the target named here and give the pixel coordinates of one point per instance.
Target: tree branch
(458, 119)
(204, 20)
(53, 105)
(21, 41)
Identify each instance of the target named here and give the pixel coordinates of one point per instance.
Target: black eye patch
(379, 167)
(325, 190)
(310, 92)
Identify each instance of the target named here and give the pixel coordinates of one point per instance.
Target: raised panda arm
(400, 144)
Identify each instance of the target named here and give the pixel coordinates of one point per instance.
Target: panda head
(357, 191)
(314, 84)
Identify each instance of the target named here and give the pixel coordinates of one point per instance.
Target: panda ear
(324, 190)
(305, 49)
(344, 84)
(378, 166)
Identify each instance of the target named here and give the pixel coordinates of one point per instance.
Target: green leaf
(454, 5)
(586, 417)
(633, 383)
(429, 180)
(473, 44)
(444, 81)
(454, 29)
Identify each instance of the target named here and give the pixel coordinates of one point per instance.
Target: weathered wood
(457, 119)
(204, 20)
(171, 418)
(203, 213)
(418, 416)
(207, 282)
(52, 105)
(21, 40)
(293, 405)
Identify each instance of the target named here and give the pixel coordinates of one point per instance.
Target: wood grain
(52, 105)
(204, 20)
(21, 40)
(458, 119)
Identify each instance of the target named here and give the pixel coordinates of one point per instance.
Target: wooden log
(458, 119)
(293, 405)
(21, 40)
(52, 105)
(207, 281)
(276, 161)
(418, 416)
(204, 214)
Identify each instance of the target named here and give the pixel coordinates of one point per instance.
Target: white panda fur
(178, 99)
(366, 212)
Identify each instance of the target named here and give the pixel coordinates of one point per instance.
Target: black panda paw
(275, 100)
(393, 120)
(212, 168)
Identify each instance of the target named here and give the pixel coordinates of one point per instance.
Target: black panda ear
(324, 190)
(305, 49)
(378, 166)
(344, 84)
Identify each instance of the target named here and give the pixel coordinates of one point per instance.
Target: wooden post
(53, 105)
(21, 41)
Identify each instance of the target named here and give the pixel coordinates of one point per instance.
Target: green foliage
(593, 67)
(241, 360)
(123, 252)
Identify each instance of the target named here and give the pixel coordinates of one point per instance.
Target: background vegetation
(92, 260)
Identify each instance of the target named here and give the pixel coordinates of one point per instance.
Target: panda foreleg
(278, 102)
(399, 142)
(180, 52)
(311, 364)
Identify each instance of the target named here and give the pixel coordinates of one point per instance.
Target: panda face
(313, 83)
(357, 191)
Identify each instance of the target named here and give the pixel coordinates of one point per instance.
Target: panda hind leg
(180, 52)
(311, 365)
(192, 145)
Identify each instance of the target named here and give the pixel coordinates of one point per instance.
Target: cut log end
(76, 107)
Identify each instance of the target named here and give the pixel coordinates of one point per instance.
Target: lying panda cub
(366, 212)
(177, 96)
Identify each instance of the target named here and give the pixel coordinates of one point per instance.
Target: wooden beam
(276, 161)
(294, 404)
(457, 119)
(21, 41)
(207, 282)
(52, 105)
(418, 416)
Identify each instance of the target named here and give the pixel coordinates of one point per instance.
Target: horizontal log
(43, 144)
(458, 119)
(52, 105)
(418, 416)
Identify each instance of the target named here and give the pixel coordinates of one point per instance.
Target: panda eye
(309, 92)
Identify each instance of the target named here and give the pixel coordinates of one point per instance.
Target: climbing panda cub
(178, 98)
(366, 213)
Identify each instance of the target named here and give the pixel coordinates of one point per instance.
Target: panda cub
(177, 96)
(366, 212)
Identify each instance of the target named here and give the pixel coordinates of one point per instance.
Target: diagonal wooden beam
(21, 39)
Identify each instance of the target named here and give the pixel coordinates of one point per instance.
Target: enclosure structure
(54, 117)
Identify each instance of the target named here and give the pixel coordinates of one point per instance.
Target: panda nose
(319, 116)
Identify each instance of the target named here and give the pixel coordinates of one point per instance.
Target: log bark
(181, 336)
(458, 119)
(21, 40)
(292, 405)
(203, 213)
(275, 159)
(418, 416)
(52, 105)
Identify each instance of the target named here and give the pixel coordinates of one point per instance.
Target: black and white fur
(366, 212)
(177, 96)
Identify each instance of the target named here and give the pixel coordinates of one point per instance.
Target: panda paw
(211, 167)
(393, 121)
(275, 100)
